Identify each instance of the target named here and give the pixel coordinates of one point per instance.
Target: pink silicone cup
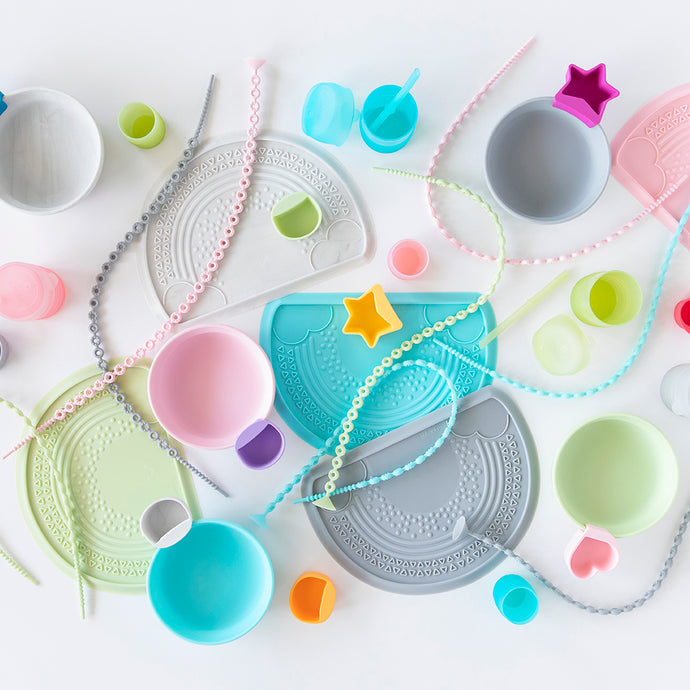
(682, 314)
(651, 152)
(29, 292)
(408, 259)
(591, 550)
(209, 383)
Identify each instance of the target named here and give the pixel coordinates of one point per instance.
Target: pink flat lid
(209, 383)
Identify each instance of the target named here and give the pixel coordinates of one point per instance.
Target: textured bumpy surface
(318, 368)
(262, 264)
(112, 472)
(651, 152)
(400, 535)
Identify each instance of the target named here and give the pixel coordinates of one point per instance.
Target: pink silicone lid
(209, 383)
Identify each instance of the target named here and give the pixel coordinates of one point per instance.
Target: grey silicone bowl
(545, 165)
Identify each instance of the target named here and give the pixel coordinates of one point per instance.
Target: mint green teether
(618, 472)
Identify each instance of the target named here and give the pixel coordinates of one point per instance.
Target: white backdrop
(162, 54)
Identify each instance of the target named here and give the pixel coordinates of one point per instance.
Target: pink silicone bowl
(209, 383)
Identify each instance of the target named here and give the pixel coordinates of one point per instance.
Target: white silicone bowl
(51, 151)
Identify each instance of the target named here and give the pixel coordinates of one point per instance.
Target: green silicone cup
(618, 472)
(609, 298)
(296, 216)
(141, 125)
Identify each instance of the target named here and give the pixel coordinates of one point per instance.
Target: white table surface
(162, 53)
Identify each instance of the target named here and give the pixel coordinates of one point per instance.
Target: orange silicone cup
(312, 598)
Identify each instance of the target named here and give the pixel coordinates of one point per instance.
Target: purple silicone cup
(260, 445)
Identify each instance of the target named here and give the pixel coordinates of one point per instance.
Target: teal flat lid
(328, 113)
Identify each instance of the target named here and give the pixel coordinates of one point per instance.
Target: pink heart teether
(591, 550)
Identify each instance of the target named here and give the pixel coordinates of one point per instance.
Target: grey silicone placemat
(398, 535)
(260, 264)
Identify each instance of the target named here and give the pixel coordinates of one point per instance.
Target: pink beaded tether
(530, 261)
(204, 278)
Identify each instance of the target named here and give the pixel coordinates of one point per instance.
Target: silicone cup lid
(328, 113)
(560, 346)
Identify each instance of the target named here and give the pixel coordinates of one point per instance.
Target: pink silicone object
(585, 94)
(591, 550)
(408, 259)
(651, 152)
(208, 383)
(682, 314)
(29, 292)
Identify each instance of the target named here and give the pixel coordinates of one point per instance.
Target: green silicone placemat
(113, 471)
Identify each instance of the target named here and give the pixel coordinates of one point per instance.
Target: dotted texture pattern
(399, 535)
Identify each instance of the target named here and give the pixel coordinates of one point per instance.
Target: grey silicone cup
(544, 165)
(4, 351)
(353, 535)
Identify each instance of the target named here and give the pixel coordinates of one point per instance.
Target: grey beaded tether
(97, 292)
(602, 611)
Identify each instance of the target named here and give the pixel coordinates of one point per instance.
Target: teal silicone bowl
(618, 472)
(212, 586)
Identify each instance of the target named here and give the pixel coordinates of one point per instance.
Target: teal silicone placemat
(318, 368)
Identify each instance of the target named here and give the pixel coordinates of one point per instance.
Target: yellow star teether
(371, 316)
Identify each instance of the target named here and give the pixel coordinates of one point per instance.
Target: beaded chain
(420, 458)
(347, 425)
(342, 434)
(554, 259)
(406, 346)
(70, 510)
(678, 538)
(206, 276)
(622, 369)
(602, 611)
(520, 262)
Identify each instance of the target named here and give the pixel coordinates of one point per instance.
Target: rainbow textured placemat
(318, 368)
(260, 264)
(113, 472)
(400, 535)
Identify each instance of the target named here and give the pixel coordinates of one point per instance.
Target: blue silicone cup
(397, 129)
(516, 599)
(212, 586)
(328, 113)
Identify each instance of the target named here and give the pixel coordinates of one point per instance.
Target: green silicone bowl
(616, 471)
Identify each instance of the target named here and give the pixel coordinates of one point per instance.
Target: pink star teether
(585, 94)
